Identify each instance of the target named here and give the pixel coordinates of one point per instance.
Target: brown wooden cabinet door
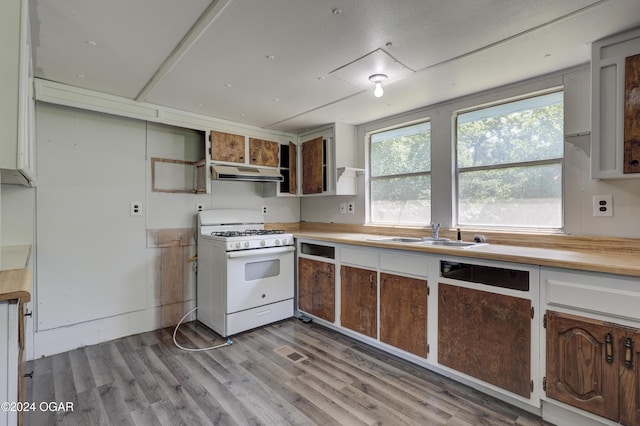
(359, 300)
(312, 166)
(227, 147)
(316, 288)
(630, 377)
(403, 313)
(293, 168)
(631, 151)
(486, 335)
(579, 373)
(263, 153)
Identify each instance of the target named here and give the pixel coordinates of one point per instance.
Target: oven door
(259, 277)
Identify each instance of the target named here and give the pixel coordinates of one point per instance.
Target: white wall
(95, 277)
(579, 188)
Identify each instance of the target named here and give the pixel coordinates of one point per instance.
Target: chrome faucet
(435, 229)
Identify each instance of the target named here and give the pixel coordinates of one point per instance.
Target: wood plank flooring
(145, 380)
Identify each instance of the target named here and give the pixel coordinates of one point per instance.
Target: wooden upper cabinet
(486, 335)
(227, 147)
(313, 166)
(581, 363)
(263, 152)
(316, 288)
(359, 300)
(403, 313)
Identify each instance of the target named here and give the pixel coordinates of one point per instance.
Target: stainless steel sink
(444, 242)
(459, 244)
(397, 239)
(454, 243)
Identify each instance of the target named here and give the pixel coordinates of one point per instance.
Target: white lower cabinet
(9, 361)
(592, 345)
(390, 299)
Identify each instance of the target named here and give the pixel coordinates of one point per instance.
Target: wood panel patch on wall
(176, 277)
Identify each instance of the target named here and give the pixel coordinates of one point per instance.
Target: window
(401, 175)
(509, 164)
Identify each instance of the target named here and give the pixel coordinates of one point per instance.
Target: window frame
(530, 163)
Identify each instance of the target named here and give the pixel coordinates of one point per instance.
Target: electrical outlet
(199, 207)
(603, 205)
(265, 210)
(135, 208)
(343, 208)
(351, 207)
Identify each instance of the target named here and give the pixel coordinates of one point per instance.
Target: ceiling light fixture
(377, 79)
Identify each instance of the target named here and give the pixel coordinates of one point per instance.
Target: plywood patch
(290, 354)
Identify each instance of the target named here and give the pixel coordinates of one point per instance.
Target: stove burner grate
(247, 232)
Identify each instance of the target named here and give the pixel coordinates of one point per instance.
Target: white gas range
(245, 273)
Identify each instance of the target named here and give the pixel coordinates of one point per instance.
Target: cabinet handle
(628, 352)
(608, 342)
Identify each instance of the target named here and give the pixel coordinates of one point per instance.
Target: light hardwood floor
(145, 380)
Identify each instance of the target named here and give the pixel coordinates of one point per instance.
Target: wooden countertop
(15, 279)
(623, 263)
(15, 284)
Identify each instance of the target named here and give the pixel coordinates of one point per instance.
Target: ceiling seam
(213, 11)
(513, 37)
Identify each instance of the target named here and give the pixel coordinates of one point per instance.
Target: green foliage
(529, 135)
(401, 154)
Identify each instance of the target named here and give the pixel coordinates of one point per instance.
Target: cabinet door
(316, 288)
(630, 378)
(359, 300)
(486, 335)
(403, 313)
(227, 147)
(263, 153)
(631, 113)
(312, 166)
(582, 369)
(293, 169)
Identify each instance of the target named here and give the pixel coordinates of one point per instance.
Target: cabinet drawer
(404, 263)
(607, 294)
(368, 258)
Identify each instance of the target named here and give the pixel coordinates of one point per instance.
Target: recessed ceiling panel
(357, 73)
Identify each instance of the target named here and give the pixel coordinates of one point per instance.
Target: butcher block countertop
(15, 278)
(595, 254)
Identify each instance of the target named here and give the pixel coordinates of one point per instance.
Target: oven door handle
(260, 252)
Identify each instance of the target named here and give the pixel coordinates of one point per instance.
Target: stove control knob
(262, 242)
(238, 244)
(246, 243)
(284, 241)
(277, 242)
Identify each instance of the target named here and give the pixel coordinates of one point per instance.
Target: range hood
(245, 173)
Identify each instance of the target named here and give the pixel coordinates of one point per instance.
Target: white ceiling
(291, 65)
